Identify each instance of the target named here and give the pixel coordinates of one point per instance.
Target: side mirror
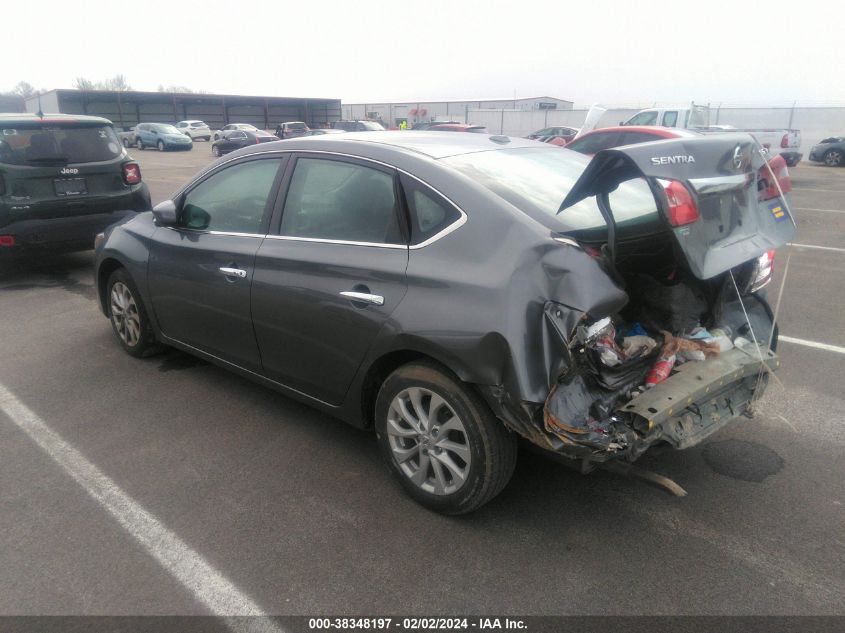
(165, 213)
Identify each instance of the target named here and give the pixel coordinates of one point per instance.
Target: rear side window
(233, 200)
(45, 144)
(338, 200)
(632, 138)
(430, 213)
(670, 118)
(592, 143)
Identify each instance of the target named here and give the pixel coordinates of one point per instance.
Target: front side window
(649, 117)
(232, 200)
(338, 200)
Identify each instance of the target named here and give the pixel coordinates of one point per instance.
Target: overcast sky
(596, 51)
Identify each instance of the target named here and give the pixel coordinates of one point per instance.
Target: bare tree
(118, 82)
(84, 84)
(24, 89)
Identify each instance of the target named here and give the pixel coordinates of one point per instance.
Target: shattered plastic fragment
(637, 345)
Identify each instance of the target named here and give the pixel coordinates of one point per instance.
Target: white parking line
(824, 210)
(189, 567)
(799, 189)
(821, 248)
(806, 343)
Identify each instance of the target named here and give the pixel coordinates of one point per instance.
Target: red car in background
(608, 137)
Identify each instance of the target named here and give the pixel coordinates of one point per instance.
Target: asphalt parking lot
(243, 495)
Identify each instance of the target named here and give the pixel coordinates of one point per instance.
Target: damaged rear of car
(667, 338)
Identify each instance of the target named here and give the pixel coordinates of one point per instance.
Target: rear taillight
(7, 240)
(784, 142)
(131, 173)
(682, 208)
(762, 273)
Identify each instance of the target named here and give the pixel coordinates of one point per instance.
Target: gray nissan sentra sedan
(458, 292)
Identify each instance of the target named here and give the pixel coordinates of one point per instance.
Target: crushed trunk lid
(727, 226)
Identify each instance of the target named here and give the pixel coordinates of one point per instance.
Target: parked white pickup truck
(697, 117)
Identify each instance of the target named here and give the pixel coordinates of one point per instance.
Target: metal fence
(815, 122)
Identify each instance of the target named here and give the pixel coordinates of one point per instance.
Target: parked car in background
(291, 129)
(424, 125)
(63, 179)
(321, 131)
(162, 136)
(358, 126)
(778, 141)
(357, 276)
(127, 137)
(547, 133)
(830, 151)
(236, 139)
(234, 126)
(458, 127)
(195, 129)
(605, 138)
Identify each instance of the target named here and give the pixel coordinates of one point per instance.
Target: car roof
(431, 144)
(28, 117)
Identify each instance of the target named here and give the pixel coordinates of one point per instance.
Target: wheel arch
(104, 271)
(387, 362)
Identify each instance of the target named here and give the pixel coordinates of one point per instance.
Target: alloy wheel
(833, 158)
(428, 441)
(124, 314)
(161, 146)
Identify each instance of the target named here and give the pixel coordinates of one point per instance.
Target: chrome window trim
(294, 238)
(206, 232)
(449, 228)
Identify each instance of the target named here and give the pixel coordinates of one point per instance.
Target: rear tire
(441, 441)
(834, 158)
(216, 151)
(128, 317)
(126, 143)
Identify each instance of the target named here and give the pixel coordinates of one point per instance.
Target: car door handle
(363, 297)
(233, 272)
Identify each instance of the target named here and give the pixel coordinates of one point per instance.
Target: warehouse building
(126, 109)
(418, 111)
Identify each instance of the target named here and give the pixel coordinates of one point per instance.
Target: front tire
(161, 146)
(126, 143)
(834, 158)
(128, 317)
(441, 441)
(140, 144)
(216, 151)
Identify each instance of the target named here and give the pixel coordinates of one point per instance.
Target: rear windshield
(477, 130)
(297, 126)
(537, 180)
(372, 126)
(198, 124)
(33, 145)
